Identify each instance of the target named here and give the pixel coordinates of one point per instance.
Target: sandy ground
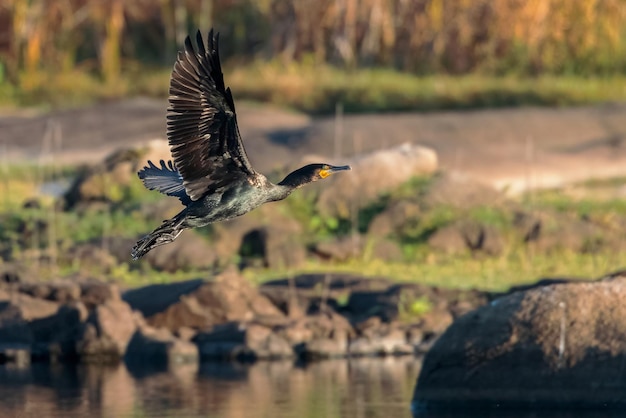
(509, 148)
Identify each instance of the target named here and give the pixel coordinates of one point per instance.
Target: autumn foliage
(528, 37)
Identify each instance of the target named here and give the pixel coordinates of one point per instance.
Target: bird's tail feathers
(164, 234)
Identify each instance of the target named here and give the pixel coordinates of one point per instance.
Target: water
(360, 388)
(372, 388)
(55, 188)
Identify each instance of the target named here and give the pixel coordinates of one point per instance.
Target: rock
(65, 293)
(229, 297)
(15, 353)
(90, 257)
(38, 290)
(548, 231)
(229, 235)
(448, 239)
(60, 292)
(55, 337)
(528, 225)
(394, 218)
(157, 211)
(265, 236)
(431, 307)
(13, 273)
(43, 328)
(110, 180)
(374, 174)
(341, 249)
(158, 346)
(392, 342)
(119, 247)
(108, 331)
(94, 293)
(453, 189)
(378, 338)
(467, 235)
(321, 348)
(279, 246)
(556, 345)
(320, 335)
(185, 333)
(13, 326)
(189, 251)
(239, 340)
(31, 308)
(386, 250)
(297, 332)
(156, 298)
(572, 234)
(309, 291)
(186, 313)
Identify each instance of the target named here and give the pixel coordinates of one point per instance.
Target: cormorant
(210, 172)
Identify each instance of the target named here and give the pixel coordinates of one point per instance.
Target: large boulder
(158, 347)
(13, 326)
(308, 292)
(243, 341)
(107, 181)
(108, 331)
(201, 305)
(55, 336)
(374, 174)
(556, 345)
(278, 246)
(433, 308)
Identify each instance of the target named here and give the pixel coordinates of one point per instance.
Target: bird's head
(311, 172)
(321, 171)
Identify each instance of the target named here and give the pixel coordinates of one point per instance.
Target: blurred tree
(423, 36)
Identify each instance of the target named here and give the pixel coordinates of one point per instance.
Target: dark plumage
(210, 173)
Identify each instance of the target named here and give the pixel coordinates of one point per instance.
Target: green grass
(519, 263)
(20, 182)
(519, 266)
(318, 88)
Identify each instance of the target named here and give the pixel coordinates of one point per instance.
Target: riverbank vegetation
(576, 240)
(370, 55)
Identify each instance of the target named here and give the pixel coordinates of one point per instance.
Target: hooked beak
(332, 169)
(335, 168)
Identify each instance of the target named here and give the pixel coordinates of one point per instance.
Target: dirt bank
(512, 148)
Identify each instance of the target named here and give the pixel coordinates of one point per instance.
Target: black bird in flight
(210, 172)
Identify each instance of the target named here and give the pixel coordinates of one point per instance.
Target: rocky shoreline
(552, 346)
(223, 318)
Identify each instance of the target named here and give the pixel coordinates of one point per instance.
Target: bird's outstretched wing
(201, 122)
(165, 179)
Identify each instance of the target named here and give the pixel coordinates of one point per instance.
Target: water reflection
(511, 413)
(376, 388)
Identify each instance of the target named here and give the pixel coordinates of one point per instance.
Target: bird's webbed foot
(167, 238)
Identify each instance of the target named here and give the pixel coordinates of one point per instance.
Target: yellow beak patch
(325, 173)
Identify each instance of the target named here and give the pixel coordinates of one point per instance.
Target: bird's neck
(290, 183)
(279, 192)
(296, 179)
